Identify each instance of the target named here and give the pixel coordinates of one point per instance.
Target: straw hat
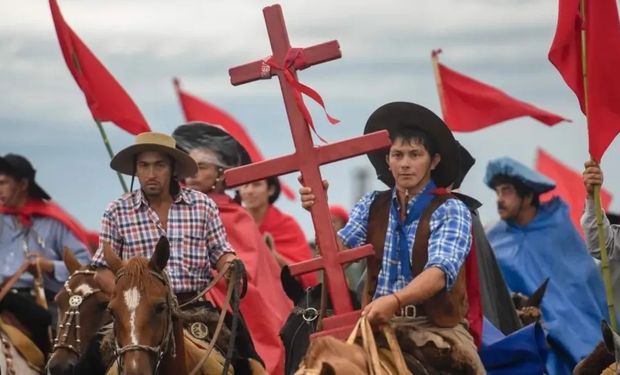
(124, 160)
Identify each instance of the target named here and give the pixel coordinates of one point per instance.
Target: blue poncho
(574, 304)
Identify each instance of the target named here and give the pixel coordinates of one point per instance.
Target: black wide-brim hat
(198, 134)
(18, 166)
(397, 115)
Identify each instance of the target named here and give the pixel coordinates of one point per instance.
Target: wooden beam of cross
(307, 159)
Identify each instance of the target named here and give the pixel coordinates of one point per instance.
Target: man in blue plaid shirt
(422, 158)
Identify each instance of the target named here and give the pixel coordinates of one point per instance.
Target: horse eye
(160, 307)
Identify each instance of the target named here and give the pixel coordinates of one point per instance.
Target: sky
(386, 50)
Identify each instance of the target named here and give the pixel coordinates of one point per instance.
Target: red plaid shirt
(195, 231)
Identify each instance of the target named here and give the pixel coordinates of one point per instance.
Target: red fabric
(569, 186)
(289, 239)
(339, 211)
(603, 58)
(37, 207)
(295, 59)
(472, 281)
(265, 307)
(105, 97)
(471, 105)
(196, 109)
(474, 314)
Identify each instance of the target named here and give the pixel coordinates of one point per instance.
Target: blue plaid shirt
(448, 245)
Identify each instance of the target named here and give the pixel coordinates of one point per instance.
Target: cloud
(386, 56)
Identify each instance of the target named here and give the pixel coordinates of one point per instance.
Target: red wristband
(400, 304)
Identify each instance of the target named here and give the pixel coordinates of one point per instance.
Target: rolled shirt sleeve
(588, 223)
(450, 240)
(353, 234)
(217, 240)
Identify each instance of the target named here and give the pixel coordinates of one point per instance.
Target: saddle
(9, 330)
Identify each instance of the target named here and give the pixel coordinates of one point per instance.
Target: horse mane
(139, 272)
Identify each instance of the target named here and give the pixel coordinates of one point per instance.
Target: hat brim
(398, 115)
(35, 190)
(124, 160)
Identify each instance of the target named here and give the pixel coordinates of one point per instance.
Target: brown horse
(528, 308)
(82, 306)
(604, 358)
(148, 337)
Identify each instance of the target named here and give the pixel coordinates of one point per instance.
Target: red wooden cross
(307, 159)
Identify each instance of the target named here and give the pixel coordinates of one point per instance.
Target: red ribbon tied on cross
(294, 58)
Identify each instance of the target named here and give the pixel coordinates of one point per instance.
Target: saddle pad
(195, 349)
(24, 346)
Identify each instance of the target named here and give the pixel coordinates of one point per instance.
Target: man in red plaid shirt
(189, 219)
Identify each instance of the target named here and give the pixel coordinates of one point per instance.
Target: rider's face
(154, 171)
(13, 192)
(410, 164)
(256, 195)
(509, 203)
(207, 174)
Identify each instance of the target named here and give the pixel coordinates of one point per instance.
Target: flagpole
(435, 61)
(597, 188)
(106, 142)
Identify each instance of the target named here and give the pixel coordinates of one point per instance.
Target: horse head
(303, 320)
(82, 306)
(528, 308)
(141, 306)
(603, 356)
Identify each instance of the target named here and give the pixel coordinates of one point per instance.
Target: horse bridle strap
(210, 286)
(220, 322)
(71, 317)
(168, 339)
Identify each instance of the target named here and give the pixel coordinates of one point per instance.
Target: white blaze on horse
(148, 335)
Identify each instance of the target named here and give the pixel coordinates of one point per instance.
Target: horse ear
(293, 288)
(114, 261)
(106, 280)
(608, 336)
(70, 261)
(327, 369)
(159, 259)
(536, 298)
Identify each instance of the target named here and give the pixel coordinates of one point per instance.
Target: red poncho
(289, 239)
(265, 306)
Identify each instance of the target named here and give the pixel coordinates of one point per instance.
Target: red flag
(602, 30)
(196, 109)
(470, 105)
(106, 99)
(569, 186)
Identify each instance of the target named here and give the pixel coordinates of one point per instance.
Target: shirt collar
(412, 200)
(184, 196)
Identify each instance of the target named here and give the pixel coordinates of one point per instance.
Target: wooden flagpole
(106, 142)
(597, 189)
(435, 61)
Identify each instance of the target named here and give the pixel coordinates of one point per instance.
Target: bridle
(71, 317)
(168, 340)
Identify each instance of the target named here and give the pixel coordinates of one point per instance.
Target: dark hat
(397, 115)
(514, 170)
(19, 167)
(466, 161)
(213, 137)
